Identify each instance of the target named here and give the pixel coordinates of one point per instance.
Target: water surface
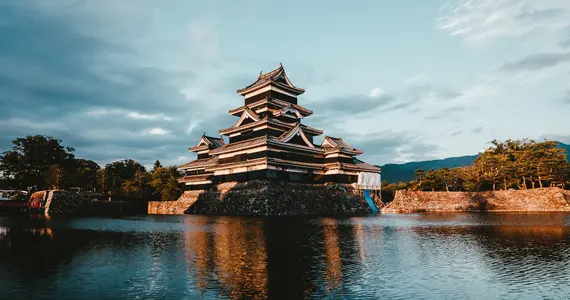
(429, 256)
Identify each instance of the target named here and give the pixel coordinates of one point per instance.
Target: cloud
(477, 130)
(398, 106)
(375, 92)
(456, 133)
(77, 73)
(351, 105)
(416, 78)
(566, 98)
(387, 146)
(450, 113)
(202, 33)
(143, 116)
(102, 111)
(427, 93)
(158, 131)
(537, 61)
(488, 20)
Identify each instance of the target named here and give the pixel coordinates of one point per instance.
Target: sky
(402, 80)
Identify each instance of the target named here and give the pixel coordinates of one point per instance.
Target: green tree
(433, 180)
(28, 163)
(165, 183)
(137, 188)
(156, 166)
(420, 174)
(84, 174)
(117, 173)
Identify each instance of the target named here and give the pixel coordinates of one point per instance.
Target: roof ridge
(286, 133)
(251, 112)
(211, 137)
(272, 72)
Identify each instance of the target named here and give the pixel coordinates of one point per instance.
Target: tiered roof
(297, 130)
(333, 144)
(280, 104)
(269, 134)
(241, 145)
(265, 121)
(208, 142)
(277, 78)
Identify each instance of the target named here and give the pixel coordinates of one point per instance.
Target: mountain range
(406, 172)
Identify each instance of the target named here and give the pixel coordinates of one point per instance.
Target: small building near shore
(270, 141)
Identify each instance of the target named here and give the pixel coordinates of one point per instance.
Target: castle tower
(269, 140)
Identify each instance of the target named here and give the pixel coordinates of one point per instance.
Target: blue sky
(402, 80)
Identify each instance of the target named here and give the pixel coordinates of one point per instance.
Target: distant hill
(406, 172)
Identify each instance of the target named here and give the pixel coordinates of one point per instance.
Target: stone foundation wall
(267, 198)
(547, 199)
(176, 207)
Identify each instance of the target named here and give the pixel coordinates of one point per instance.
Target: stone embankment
(533, 200)
(54, 202)
(176, 207)
(267, 198)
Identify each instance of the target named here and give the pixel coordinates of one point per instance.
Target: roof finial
(260, 73)
(281, 65)
(204, 133)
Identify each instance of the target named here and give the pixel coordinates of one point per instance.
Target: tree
(165, 184)
(55, 177)
(117, 173)
(156, 166)
(136, 188)
(84, 174)
(101, 180)
(420, 174)
(432, 181)
(28, 163)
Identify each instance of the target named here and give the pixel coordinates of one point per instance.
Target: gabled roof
(297, 130)
(338, 144)
(271, 101)
(247, 113)
(208, 142)
(233, 129)
(254, 142)
(288, 111)
(274, 123)
(276, 77)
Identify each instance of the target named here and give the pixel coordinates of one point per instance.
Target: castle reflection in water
(255, 259)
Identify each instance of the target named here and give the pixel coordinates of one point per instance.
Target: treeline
(512, 164)
(40, 162)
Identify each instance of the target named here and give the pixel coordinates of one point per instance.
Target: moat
(417, 256)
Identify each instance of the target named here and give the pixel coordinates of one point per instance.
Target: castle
(269, 141)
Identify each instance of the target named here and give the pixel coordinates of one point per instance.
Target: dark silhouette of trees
(37, 162)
